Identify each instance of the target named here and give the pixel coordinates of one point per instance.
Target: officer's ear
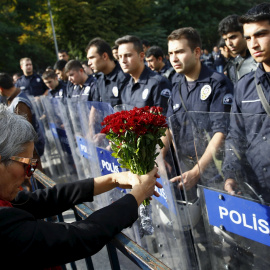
(160, 59)
(197, 52)
(105, 56)
(142, 55)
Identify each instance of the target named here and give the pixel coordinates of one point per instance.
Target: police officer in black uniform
(199, 89)
(154, 57)
(111, 80)
(84, 86)
(250, 125)
(145, 87)
(30, 82)
(57, 89)
(231, 30)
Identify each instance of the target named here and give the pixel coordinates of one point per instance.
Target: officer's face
(130, 60)
(63, 56)
(61, 75)
(75, 76)
(95, 61)
(182, 58)
(115, 54)
(257, 35)
(51, 83)
(236, 43)
(153, 62)
(27, 67)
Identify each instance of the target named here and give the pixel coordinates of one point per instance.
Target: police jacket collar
(261, 74)
(145, 75)
(111, 76)
(204, 76)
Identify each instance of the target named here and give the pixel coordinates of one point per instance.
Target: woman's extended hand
(144, 186)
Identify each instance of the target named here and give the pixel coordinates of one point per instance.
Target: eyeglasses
(29, 164)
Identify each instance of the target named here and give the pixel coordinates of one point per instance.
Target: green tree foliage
(25, 27)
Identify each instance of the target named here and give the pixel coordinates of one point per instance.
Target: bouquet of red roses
(134, 136)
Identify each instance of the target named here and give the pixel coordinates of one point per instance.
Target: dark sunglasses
(29, 164)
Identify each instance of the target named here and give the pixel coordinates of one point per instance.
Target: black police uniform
(151, 89)
(211, 95)
(32, 85)
(248, 142)
(88, 92)
(111, 85)
(59, 91)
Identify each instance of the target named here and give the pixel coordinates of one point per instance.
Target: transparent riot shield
(233, 186)
(51, 159)
(57, 128)
(169, 242)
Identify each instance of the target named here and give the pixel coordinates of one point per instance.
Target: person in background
(59, 68)
(30, 82)
(63, 55)
(57, 89)
(207, 59)
(219, 61)
(231, 30)
(86, 67)
(154, 57)
(16, 76)
(115, 52)
(84, 86)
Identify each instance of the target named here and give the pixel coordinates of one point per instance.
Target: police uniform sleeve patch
(166, 93)
(115, 91)
(227, 99)
(145, 93)
(206, 92)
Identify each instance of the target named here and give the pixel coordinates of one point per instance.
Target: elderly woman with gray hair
(24, 237)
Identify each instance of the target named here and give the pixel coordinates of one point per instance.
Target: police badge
(205, 92)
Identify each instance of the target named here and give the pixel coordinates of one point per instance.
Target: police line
(193, 229)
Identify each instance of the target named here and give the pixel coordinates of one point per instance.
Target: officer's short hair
(115, 47)
(50, 74)
(60, 64)
(146, 43)
(137, 43)
(258, 13)
(6, 81)
(102, 47)
(188, 33)
(73, 65)
(156, 51)
(230, 24)
(85, 62)
(24, 59)
(63, 51)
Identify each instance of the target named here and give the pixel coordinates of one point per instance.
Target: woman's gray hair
(15, 132)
